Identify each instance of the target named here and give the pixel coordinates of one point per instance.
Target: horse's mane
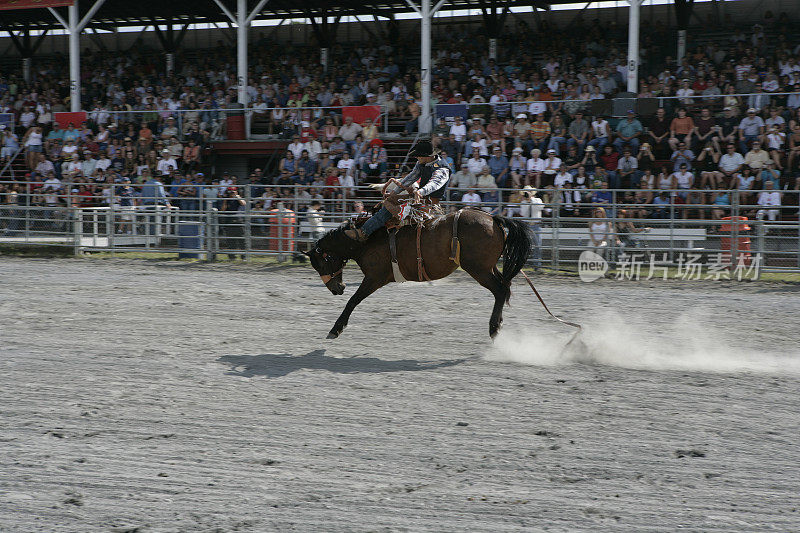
(335, 242)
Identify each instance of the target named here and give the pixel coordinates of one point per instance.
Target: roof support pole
(74, 26)
(242, 20)
(74, 57)
(425, 70)
(633, 45)
(241, 49)
(683, 12)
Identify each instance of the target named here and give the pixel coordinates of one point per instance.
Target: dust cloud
(690, 343)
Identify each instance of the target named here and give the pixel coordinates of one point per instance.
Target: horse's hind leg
(490, 278)
(366, 288)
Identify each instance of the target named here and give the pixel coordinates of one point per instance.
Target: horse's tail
(516, 249)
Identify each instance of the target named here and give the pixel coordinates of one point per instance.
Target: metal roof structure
(115, 13)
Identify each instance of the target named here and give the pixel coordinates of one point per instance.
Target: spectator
(756, 158)
(476, 163)
(627, 171)
(485, 180)
(369, 130)
(628, 131)
(518, 167)
(167, 164)
(337, 149)
(759, 100)
(464, 179)
(770, 202)
(10, 145)
(601, 133)
(774, 141)
(770, 173)
(471, 198)
(414, 112)
(296, 147)
(708, 163)
(551, 165)
(727, 128)
(600, 232)
(682, 155)
(751, 128)
(578, 132)
(376, 160)
(721, 203)
(745, 182)
(458, 130)
(683, 179)
(661, 205)
(32, 141)
(609, 160)
(349, 131)
(539, 133)
(498, 166)
(681, 129)
(659, 131)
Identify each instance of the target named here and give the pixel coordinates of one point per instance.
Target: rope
(574, 325)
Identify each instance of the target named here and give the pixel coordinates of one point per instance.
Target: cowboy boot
(357, 234)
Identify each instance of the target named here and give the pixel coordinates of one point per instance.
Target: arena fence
(249, 221)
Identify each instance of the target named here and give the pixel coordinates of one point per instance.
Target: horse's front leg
(367, 287)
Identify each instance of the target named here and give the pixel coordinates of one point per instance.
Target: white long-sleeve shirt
(439, 178)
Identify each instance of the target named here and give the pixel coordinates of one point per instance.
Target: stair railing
(8, 166)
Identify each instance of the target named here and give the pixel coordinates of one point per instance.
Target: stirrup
(357, 234)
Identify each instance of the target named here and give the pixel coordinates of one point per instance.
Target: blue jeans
(633, 143)
(580, 144)
(613, 179)
(536, 234)
(555, 144)
(598, 143)
(376, 221)
(744, 144)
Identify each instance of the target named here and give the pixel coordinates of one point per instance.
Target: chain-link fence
(201, 221)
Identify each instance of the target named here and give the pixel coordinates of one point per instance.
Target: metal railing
(281, 121)
(614, 108)
(259, 220)
(9, 166)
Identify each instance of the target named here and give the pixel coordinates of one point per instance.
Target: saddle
(408, 214)
(404, 214)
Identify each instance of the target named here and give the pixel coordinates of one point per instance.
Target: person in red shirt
(331, 181)
(609, 160)
(146, 133)
(495, 131)
(700, 84)
(456, 99)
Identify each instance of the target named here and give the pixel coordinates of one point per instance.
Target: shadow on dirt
(277, 365)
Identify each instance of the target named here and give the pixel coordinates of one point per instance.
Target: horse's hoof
(332, 335)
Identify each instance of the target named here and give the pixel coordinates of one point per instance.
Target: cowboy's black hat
(421, 149)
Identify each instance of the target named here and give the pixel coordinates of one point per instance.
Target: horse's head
(329, 255)
(329, 267)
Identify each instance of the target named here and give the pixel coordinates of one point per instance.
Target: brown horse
(484, 239)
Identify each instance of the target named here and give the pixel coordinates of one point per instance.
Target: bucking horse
(430, 250)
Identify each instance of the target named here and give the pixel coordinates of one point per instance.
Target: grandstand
(164, 96)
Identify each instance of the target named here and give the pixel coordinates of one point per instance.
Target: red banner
(359, 113)
(63, 119)
(32, 4)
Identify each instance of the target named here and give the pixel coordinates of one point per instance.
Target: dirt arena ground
(168, 397)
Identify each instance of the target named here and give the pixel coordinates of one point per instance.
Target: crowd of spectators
(531, 119)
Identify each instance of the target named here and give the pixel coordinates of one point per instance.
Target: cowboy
(433, 174)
